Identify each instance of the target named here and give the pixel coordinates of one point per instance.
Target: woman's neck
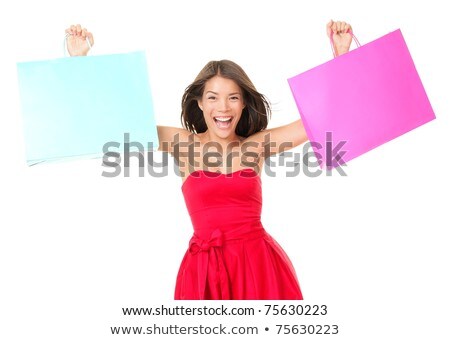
(224, 142)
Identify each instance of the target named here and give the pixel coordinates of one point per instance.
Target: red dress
(230, 255)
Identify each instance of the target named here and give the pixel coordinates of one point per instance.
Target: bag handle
(65, 44)
(332, 45)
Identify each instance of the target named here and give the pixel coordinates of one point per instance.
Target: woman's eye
(234, 98)
(212, 98)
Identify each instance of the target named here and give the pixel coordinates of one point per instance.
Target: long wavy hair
(255, 116)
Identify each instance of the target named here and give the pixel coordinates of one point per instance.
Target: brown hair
(254, 116)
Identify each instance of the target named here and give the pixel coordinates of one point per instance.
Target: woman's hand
(76, 40)
(341, 36)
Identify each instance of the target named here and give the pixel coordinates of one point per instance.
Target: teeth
(223, 119)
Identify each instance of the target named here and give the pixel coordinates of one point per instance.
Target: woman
(220, 152)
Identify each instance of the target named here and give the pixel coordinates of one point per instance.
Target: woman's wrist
(340, 50)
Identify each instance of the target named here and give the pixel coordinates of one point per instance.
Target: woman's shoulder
(169, 136)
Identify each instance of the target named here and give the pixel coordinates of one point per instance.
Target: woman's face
(222, 104)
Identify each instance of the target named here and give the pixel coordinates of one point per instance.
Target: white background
(75, 247)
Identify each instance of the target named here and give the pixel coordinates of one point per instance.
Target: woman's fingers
(72, 30)
(333, 27)
(329, 25)
(336, 27)
(339, 27)
(78, 31)
(75, 30)
(90, 37)
(79, 40)
(341, 40)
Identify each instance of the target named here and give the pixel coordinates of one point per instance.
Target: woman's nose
(223, 105)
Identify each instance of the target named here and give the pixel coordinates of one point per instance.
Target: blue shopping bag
(72, 107)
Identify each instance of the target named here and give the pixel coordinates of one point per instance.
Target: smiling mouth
(223, 122)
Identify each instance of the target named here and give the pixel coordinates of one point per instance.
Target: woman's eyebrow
(231, 94)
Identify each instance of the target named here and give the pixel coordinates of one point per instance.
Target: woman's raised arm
(78, 46)
(288, 136)
(169, 136)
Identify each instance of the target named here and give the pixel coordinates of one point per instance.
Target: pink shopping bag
(360, 100)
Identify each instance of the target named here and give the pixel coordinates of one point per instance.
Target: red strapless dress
(230, 255)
